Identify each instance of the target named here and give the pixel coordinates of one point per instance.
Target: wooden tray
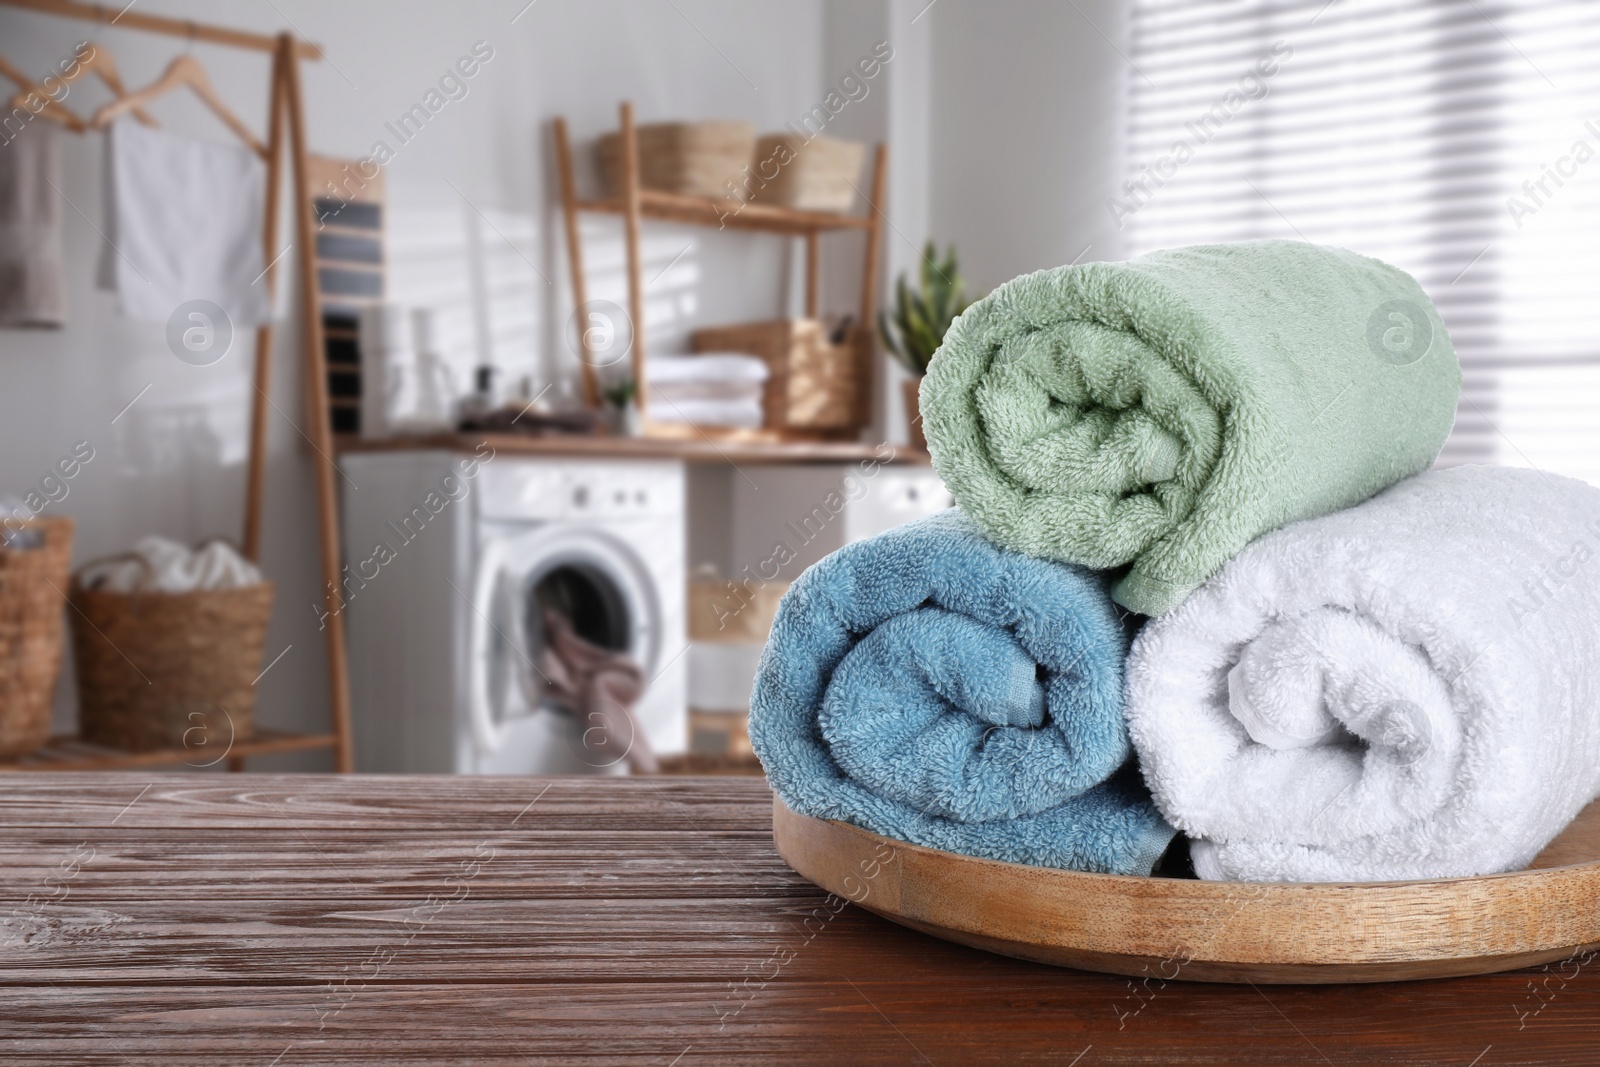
(1166, 928)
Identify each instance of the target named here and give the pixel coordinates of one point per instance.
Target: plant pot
(626, 421)
(914, 413)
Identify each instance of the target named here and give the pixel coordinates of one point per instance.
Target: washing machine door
(595, 580)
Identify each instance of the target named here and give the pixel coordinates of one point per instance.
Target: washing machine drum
(585, 574)
(588, 595)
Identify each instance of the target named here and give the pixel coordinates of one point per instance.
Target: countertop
(692, 450)
(296, 919)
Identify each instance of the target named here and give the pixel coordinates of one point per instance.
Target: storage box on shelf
(690, 158)
(812, 383)
(815, 175)
(728, 624)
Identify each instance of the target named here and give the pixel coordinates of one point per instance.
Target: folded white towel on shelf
(708, 368)
(734, 414)
(747, 391)
(183, 222)
(33, 280)
(157, 564)
(709, 389)
(1407, 689)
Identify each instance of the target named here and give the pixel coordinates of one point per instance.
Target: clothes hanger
(51, 110)
(99, 62)
(184, 70)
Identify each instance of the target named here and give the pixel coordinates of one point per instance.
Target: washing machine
(452, 559)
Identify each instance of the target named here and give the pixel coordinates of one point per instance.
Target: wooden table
(288, 920)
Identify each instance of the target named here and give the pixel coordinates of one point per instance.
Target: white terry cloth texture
(712, 368)
(1407, 689)
(157, 564)
(706, 391)
(738, 414)
(183, 222)
(710, 389)
(33, 277)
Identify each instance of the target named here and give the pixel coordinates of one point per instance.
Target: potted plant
(919, 322)
(621, 394)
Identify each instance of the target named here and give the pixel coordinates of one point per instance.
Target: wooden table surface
(288, 920)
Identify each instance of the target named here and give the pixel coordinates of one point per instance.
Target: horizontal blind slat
(1404, 129)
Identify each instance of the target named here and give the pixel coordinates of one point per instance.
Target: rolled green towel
(1165, 411)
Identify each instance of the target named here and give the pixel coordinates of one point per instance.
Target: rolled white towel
(1407, 689)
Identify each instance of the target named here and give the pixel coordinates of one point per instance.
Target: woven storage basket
(169, 670)
(723, 610)
(812, 384)
(693, 158)
(32, 583)
(815, 175)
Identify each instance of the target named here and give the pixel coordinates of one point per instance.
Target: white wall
(1027, 125)
(172, 463)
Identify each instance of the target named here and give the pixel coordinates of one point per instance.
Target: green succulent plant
(620, 393)
(917, 328)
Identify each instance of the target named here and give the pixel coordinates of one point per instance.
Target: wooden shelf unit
(68, 752)
(286, 136)
(709, 211)
(635, 203)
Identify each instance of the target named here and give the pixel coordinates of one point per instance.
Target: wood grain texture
(183, 29)
(261, 372)
(317, 413)
(289, 920)
(729, 214)
(575, 275)
(693, 449)
(69, 752)
(866, 336)
(635, 262)
(1280, 933)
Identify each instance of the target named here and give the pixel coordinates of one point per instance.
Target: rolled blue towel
(929, 686)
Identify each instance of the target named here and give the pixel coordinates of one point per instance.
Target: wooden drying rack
(635, 203)
(286, 116)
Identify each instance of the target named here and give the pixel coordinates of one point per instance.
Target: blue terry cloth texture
(930, 686)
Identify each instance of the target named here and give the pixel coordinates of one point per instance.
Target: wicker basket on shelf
(169, 670)
(813, 384)
(816, 175)
(33, 579)
(692, 158)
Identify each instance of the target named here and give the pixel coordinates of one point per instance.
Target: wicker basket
(723, 610)
(169, 670)
(812, 384)
(815, 175)
(32, 583)
(693, 158)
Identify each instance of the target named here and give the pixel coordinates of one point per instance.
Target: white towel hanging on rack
(183, 222)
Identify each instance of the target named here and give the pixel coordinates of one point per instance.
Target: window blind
(1457, 139)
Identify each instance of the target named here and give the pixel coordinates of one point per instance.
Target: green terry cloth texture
(1165, 411)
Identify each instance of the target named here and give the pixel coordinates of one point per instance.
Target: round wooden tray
(1169, 928)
